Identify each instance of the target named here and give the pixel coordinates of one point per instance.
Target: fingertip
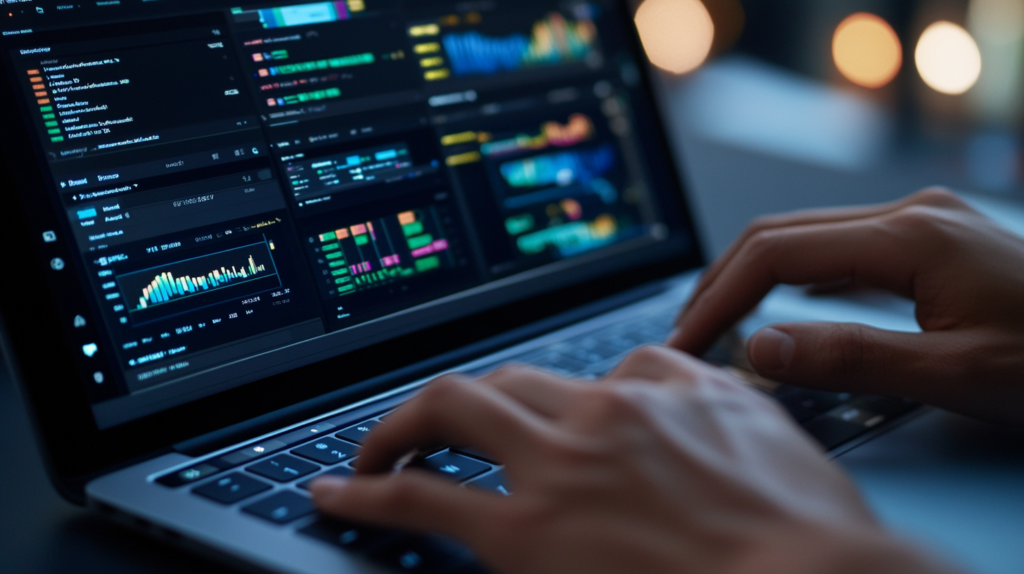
(326, 490)
(771, 350)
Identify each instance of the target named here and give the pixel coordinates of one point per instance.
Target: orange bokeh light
(866, 50)
(677, 34)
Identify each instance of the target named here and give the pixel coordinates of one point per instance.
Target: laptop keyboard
(270, 480)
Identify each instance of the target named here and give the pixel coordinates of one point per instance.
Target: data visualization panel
(562, 179)
(506, 42)
(388, 257)
(323, 58)
(200, 281)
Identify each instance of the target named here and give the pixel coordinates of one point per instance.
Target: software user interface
(238, 180)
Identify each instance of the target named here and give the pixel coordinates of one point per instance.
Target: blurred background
(785, 104)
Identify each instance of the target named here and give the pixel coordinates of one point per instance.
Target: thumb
(852, 358)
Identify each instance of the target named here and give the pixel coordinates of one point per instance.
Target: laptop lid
(220, 209)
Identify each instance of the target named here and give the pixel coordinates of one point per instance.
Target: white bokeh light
(948, 58)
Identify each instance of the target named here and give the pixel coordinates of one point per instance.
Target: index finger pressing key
(453, 410)
(797, 256)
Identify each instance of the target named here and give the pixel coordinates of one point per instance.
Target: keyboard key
(494, 482)
(327, 450)
(282, 508)
(472, 452)
(420, 554)
(231, 488)
(283, 468)
(342, 471)
(558, 363)
(348, 535)
(817, 402)
(356, 433)
(248, 453)
(454, 466)
(300, 435)
(188, 475)
(832, 432)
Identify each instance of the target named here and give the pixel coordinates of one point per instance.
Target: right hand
(965, 273)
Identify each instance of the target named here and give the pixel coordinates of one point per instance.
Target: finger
(411, 500)
(857, 358)
(871, 250)
(453, 410)
(543, 392)
(934, 196)
(656, 364)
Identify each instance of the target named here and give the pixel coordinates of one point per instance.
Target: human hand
(668, 466)
(965, 273)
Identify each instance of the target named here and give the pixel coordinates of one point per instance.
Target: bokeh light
(866, 50)
(677, 34)
(948, 58)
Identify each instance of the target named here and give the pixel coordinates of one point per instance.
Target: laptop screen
(247, 190)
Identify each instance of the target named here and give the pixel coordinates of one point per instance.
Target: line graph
(554, 40)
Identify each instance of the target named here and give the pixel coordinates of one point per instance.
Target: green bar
(420, 241)
(51, 124)
(331, 247)
(57, 139)
(279, 55)
(46, 109)
(331, 64)
(333, 255)
(346, 288)
(362, 239)
(427, 263)
(342, 280)
(53, 132)
(329, 236)
(335, 264)
(414, 228)
(49, 116)
(339, 272)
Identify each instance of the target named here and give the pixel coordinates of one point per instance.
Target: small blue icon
(364, 429)
(321, 446)
(224, 482)
(450, 469)
(280, 513)
(90, 350)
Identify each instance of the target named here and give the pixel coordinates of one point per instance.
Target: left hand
(668, 466)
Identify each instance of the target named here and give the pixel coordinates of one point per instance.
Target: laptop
(244, 232)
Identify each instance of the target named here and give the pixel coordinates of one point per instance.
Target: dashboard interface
(250, 189)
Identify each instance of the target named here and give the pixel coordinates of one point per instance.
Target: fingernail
(771, 350)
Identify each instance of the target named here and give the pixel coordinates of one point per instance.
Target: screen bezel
(40, 351)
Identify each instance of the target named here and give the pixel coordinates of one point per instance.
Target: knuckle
(937, 196)
(917, 220)
(644, 356)
(442, 389)
(612, 403)
(763, 244)
(512, 371)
